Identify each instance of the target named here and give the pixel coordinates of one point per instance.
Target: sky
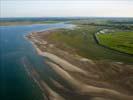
(66, 8)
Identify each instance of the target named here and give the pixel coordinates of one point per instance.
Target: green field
(84, 44)
(121, 41)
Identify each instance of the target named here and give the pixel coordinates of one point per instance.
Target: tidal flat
(91, 72)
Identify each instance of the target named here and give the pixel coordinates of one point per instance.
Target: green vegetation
(121, 41)
(8, 23)
(82, 40)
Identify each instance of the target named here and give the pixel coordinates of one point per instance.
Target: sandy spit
(63, 63)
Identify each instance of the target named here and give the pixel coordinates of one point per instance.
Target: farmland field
(121, 41)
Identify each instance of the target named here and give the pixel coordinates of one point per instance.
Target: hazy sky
(65, 8)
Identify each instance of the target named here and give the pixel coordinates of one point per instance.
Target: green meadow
(121, 41)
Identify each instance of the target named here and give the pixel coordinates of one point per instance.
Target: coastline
(66, 70)
(15, 23)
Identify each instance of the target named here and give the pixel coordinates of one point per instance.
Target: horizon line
(71, 17)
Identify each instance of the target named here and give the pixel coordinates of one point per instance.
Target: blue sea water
(14, 81)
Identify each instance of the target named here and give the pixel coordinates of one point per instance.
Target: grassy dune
(121, 41)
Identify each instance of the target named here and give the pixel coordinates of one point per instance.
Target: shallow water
(14, 81)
